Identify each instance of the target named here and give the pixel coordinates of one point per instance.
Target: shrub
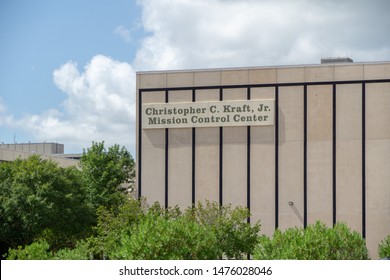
(384, 248)
(316, 242)
(235, 236)
(161, 238)
(38, 250)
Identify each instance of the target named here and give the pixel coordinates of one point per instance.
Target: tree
(235, 236)
(40, 199)
(104, 171)
(207, 231)
(316, 242)
(384, 248)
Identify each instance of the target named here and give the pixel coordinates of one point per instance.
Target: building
(319, 151)
(47, 150)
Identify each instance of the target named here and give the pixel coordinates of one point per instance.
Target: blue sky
(67, 68)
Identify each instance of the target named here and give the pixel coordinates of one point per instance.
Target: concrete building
(49, 150)
(320, 151)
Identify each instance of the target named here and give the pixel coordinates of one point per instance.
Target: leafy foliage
(235, 236)
(38, 250)
(207, 231)
(384, 248)
(40, 199)
(103, 172)
(159, 238)
(316, 242)
(113, 224)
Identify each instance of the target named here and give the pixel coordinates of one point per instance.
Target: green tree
(104, 171)
(384, 248)
(112, 224)
(235, 236)
(40, 199)
(163, 238)
(316, 242)
(207, 231)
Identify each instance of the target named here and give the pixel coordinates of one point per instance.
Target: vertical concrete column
(319, 162)
(153, 156)
(377, 164)
(291, 157)
(349, 155)
(262, 171)
(207, 155)
(179, 158)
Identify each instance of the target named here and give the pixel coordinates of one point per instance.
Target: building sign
(208, 114)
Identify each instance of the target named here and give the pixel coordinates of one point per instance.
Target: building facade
(320, 152)
(47, 150)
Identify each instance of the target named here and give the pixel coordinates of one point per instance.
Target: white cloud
(99, 105)
(123, 32)
(221, 33)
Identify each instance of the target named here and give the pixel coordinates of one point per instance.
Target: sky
(67, 67)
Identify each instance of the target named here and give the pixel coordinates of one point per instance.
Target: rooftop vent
(331, 60)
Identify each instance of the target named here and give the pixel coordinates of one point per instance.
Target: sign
(208, 114)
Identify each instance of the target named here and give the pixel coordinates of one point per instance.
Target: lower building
(49, 150)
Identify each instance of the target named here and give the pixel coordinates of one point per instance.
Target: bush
(38, 250)
(235, 236)
(207, 231)
(384, 248)
(114, 223)
(161, 238)
(316, 242)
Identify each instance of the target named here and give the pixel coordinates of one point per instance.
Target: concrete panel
(207, 78)
(349, 112)
(291, 184)
(377, 71)
(348, 72)
(349, 183)
(263, 169)
(378, 175)
(319, 74)
(319, 182)
(290, 114)
(153, 80)
(207, 156)
(262, 76)
(319, 113)
(290, 74)
(234, 157)
(180, 79)
(179, 158)
(234, 77)
(153, 173)
(377, 193)
(263, 183)
(153, 156)
(378, 111)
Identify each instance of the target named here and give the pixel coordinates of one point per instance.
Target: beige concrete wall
(207, 156)
(319, 154)
(290, 157)
(179, 158)
(349, 155)
(263, 169)
(349, 159)
(377, 163)
(11, 155)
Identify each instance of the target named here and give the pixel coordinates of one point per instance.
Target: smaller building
(48, 150)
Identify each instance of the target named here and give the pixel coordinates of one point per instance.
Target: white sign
(208, 114)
